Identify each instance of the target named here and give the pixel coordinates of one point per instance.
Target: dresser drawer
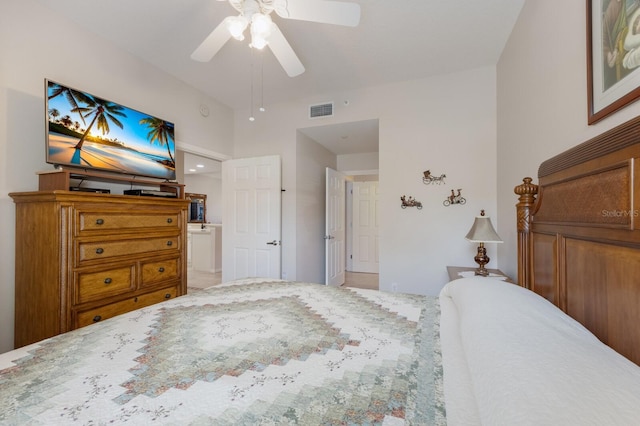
(107, 311)
(97, 285)
(90, 221)
(157, 271)
(110, 249)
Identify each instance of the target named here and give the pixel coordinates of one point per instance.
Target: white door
(334, 228)
(251, 189)
(365, 227)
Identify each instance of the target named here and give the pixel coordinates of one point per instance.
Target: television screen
(89, 132)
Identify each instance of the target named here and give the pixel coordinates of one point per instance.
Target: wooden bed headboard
(579, 236)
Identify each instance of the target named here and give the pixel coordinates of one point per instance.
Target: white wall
(356, 162)
(446, 124)
(38, 43)
(312, 160)
(542, 102)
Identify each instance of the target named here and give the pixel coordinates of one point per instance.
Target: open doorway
(203, 184)
(355, 149)
(362, 262)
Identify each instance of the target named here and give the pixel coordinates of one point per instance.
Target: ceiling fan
(255, 14)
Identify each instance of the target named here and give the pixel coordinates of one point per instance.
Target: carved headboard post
(527, 192)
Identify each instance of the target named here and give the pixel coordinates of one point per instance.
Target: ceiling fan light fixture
(264, 31)
(258, 42)
(236, 26)
(260, 30)
(261, 24)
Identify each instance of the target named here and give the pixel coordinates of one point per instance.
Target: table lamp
(482, 232)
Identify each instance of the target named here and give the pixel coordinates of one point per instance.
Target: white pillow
(530, 364)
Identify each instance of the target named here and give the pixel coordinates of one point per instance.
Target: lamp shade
(482, 231)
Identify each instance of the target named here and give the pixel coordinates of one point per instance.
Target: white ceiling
(396, 40)
(194, 164)
(346, 138)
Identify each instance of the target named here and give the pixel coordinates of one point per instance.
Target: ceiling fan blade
(323, 11)
(284, 53)
(213, 43)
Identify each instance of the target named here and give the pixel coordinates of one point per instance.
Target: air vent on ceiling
(323, 110)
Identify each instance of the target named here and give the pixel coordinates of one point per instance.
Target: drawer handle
(100, 222)
(97, 318)
(167, 296)
(161, 269)
(169, 243)
(169, 220)
(107, 280)
(99, 250)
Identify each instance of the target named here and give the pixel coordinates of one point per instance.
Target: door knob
(328, 237)
(273, 243)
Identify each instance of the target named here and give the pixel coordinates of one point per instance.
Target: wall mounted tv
(89, 132)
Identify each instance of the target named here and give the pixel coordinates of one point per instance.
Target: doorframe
(348, 251)
(329, 247)
(203, 152)
(349, 212)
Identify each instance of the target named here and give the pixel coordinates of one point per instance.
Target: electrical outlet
(394, 287)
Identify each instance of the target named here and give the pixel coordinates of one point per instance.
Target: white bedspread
(528, 363)
(252, 352)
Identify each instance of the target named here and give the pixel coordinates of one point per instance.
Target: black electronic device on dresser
(96, 190)
(150, 193)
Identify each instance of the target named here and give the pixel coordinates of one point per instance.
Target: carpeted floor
(361, 280)
(200, 280)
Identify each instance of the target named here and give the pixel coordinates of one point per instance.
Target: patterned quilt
(252, 352)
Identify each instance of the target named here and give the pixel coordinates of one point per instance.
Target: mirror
(197, 207)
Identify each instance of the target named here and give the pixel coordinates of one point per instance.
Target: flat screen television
(89, 132)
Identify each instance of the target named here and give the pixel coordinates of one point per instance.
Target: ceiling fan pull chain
(262, 83)
(251, 117)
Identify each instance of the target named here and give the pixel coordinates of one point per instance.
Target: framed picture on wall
(613, 55)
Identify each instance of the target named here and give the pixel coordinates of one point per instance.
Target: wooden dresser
(86, 257)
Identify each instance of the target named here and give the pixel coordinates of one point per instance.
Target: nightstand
(457, 272)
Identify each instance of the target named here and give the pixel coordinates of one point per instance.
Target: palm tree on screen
(103, 112)
(66, 121)
(54, 113)
(161, 132)
(74, 97)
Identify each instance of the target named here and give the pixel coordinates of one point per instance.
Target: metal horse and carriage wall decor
(454, 199)
(410, 202)
(428, 178)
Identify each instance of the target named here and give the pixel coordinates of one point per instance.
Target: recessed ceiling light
(200, 166)
(192, 170)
